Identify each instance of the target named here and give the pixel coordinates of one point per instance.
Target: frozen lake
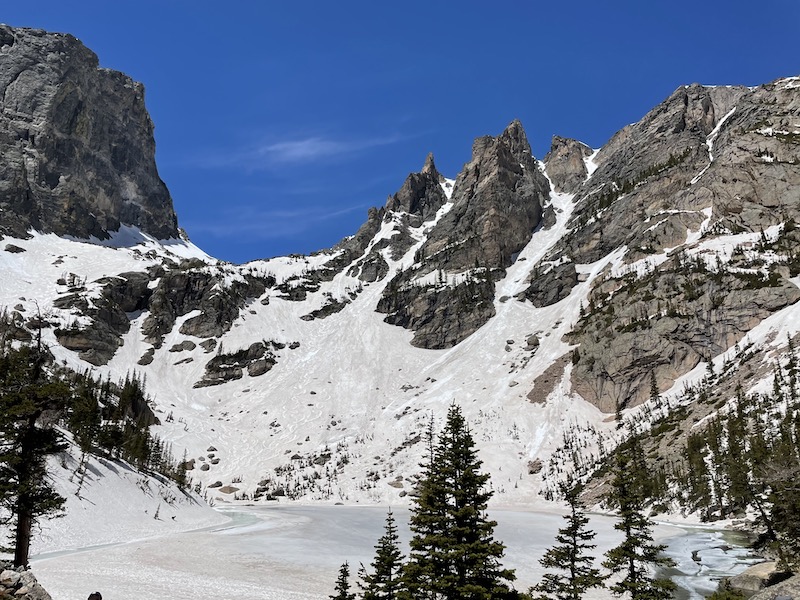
(294, 552)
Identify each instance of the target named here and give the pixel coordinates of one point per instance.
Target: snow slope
(354, 388)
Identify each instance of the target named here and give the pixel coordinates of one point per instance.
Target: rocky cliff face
(707, 162)
(566, 164)
(498, 201)
(76, 143)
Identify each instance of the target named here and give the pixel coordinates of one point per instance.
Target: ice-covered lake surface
(295, 552)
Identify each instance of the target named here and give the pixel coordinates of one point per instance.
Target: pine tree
(384, 582)
(453, 552)
(343, 584)
(570, 555)
(27, 394)
(637, 553)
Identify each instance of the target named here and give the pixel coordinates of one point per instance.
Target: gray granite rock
(565, 164)
(77, 143)
(786, 590)
(498, 200)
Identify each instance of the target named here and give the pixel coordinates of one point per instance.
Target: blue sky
(279, 123)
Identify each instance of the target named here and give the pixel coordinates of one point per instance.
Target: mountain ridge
(539, 295)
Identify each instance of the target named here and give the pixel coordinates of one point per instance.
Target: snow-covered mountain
(544, 297)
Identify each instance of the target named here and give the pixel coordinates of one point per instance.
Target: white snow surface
(115, 503)
(354, 387)
(591, 165)
(276, 552)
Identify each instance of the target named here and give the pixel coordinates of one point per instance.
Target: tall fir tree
(453, 551)
(637, 554)
(342, 589)
(27, 395)
(383, 582)
(570, 555)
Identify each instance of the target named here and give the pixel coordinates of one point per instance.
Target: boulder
(789, 589)
(756, 578)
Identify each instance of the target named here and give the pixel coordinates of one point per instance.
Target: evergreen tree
(570, 555)
(782, 473)
(84, 418)
(343, 585)
(384, 582)
(453, 552)
(637, 553)
(27, 395)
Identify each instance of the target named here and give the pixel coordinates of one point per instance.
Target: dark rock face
(552, 286)
(76, 141)
(257, 359)
(97, 343)
(497, 204)
(498, 201)
(421, 194)
(182, 291)
(565, 164)
(176, 293)
(441, 316)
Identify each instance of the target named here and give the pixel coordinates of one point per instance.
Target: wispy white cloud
(300, 150)
(305, 150)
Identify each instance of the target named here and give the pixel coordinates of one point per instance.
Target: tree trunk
(23, 538)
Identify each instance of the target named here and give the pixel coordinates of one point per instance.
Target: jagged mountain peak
(421, 194)
(511, 144)
(77, 143)
(514, 136)
(429, 168)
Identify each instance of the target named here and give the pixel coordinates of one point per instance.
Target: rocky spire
(429, 168)
(498, 202)
(514, 137)
(421, 194)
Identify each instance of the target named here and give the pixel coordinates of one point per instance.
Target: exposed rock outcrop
(756, 578)
(566, 164)
(421, 194)
(553, 285)
(708, 161)
(498, 201)
(97, 342)
(257, 359)
(77, 143)
(665, 323)
(790, 588)
(182, 291)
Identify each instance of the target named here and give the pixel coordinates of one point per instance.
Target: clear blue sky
(279, 123)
